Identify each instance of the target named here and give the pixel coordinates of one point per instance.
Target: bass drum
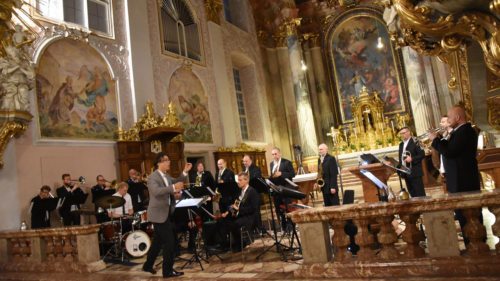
(137, 243)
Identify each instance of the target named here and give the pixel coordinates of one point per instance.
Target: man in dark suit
(411, 156)
(40, 211)
(250, 168)
(459, 153)
(459, 156)
(72, 194)
(329, 173)
(281, 169)
(224, 175)
(101, 189)
(201, 177)
(138, 190)
(244, 214)
(163, 190)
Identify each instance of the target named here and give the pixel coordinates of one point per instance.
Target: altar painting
(363, 56)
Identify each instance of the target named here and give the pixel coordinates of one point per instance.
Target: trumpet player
(281, 169)
(138, 190)
(72, 194)
(102, 188)
(411, 156)
(328, 171)
(250, 168)
(40, 212)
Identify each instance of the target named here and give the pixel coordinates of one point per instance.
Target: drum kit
(127, 234)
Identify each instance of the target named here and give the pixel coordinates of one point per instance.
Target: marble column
(294, 84)
(276, 105)
(325, 105)
(419, 91)
(311, 79)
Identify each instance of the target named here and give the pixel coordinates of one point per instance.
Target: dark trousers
(330, 199)
(163, 239)
(70, 218)
(415, 186)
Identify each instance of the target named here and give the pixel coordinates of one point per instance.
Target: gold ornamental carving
(8, 130)
(17, 75)
(493, 104)
(287, 28)
(371, 129)
(150, 120)
(213, 9)
(431, 32)
(242, 147)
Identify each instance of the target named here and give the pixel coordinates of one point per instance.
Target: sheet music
(190, 202)
(60, 202)
(374, 179)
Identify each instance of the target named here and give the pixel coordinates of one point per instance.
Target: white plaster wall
(31, 163)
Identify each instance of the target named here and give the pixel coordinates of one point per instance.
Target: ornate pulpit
(152, 134)
(379, 170)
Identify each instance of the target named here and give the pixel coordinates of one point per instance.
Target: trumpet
(425, 135)
(80, 180)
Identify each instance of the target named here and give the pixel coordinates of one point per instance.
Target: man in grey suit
(163, 190)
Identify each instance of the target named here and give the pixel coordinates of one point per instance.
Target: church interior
(91, 90)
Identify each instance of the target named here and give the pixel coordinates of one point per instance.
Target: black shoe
(150, 270)
(173, 274)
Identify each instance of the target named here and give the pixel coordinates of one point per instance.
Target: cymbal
(110, 202)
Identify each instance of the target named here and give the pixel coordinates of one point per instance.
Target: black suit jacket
(71, 199)
(227, 176)
(417, 155)
(460, 163)
(206, 179)
(287, 172)
(254, 172)
(249, 208)
(330, 173)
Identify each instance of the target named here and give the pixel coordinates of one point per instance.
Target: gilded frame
(391, 84)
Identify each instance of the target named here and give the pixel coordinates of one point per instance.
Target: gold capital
(213, 8)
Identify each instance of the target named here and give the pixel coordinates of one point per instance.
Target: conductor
(163, 190)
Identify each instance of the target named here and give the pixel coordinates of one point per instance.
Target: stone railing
(384, 253)
(64, 249)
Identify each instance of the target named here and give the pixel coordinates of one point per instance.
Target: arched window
(179, 29)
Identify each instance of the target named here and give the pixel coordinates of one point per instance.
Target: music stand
(405, 170)
(380, 185)
(192, 203)
(266, 186)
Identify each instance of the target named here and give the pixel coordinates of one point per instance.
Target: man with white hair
(329, 173)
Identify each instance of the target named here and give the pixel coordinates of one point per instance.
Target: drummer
(126, 209)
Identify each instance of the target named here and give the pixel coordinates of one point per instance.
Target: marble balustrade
(63, 249)
(383, 253)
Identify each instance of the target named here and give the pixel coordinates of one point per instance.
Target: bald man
(330, 172)
(224, 175)
(459, 152)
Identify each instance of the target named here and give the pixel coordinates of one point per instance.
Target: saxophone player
(201, 177)
(329, 170)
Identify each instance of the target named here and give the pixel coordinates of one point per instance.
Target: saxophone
(320, 181)
(197, 181)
